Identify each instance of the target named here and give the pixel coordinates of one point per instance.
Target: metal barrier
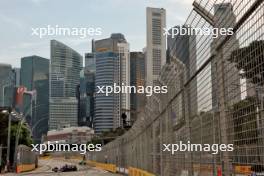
(108, 167)
(25, 167)
(215, 96)
(138, 172)
(26, 159)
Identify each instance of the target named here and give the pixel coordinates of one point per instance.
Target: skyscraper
(86, 91)
(35, 77)
(6, 85)
(183, 48)
(246, 124)
(224, 17)
(106, 107)
(65, 69)
(86, 99)
(90, 61)
(112, 66)
(137, 73)
(156, 43)
(17, 76)
(109, 44)
(124, 66)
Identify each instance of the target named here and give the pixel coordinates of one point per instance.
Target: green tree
(251, 61)
(24, 134)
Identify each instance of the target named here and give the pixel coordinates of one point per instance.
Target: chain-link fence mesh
(215, 96)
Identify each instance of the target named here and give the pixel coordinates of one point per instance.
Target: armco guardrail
(138, 172)
(109, 167)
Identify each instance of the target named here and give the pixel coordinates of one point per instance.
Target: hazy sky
(17, 17)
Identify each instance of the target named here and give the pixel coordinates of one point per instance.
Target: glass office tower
(106, 107)
(112, 55)
(6, 85)
(35, 77)
(65, 70)
(86, 102)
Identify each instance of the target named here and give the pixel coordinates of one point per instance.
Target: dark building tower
(87, 87)
(86, 90)
(7, 84)
(16, 72)
(224, 17)
(246, 122)
(90, 61)
(35, 77)
(183, 48)
(137, 78)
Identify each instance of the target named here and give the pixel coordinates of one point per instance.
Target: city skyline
(137, 93)
(16, 45)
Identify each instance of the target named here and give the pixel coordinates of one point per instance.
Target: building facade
(246, 114)
(63, 112)
(124, 66)
(156, 44)
(71, 135)
(90, 61)
(65, 69)
(183, 49)
(112, 67)
(86, 97)
(87, 91)
(16, 72)
(35, 78)
(137, 73)
(224, 17)
(6, 85)
(106, 107)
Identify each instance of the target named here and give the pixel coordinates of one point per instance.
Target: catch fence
(215, 96)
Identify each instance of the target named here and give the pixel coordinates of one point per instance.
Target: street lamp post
(8, 111)
(8, 138)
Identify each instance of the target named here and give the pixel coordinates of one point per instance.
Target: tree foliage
(251, 61)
